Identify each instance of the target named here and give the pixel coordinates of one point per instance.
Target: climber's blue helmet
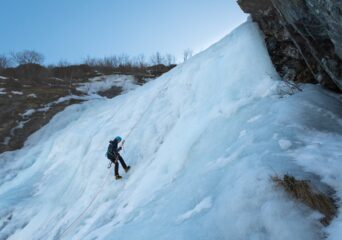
(118, 139)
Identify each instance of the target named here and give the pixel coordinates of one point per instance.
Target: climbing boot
(127, 168)
(117, 177)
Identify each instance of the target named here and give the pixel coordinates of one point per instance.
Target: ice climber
(114, 156)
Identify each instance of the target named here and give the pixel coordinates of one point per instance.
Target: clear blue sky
(74, 29)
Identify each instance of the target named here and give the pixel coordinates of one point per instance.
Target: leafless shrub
(5, 62)
(140, 61)
(302, 191)
(63, 63)
(288, 88)
(157, 59)
(125, 60)
(112, 61)
(90, 61)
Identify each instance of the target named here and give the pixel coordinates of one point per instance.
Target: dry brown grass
(302, 191)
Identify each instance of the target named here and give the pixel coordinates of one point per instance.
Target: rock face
(304, 38)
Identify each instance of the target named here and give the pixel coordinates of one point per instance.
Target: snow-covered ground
(103, 83)
(17, 92)
(203, 141)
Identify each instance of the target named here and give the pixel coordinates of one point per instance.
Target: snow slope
(203, 141)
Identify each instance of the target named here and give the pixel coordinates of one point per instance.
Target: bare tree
(90, 61)
(115, 61)
(63, 63)
(27, 57)
(157, 59)
(187, 54)
(170, 59)
(124, 60)
(112, 61)
(5, 62)
(140, 61)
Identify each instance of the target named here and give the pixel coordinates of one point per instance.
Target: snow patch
(17, 92)
(28, 113)
(32, 95)
(103, 83)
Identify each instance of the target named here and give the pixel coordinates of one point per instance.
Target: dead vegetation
(303, 192)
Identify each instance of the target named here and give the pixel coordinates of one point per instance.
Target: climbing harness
(110, 162)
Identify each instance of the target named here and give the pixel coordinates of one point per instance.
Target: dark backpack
(110, 151)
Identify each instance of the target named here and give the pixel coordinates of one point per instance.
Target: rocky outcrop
(304, 38)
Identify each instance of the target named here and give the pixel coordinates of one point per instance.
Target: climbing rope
(145, 111)
(86, 209)
(69, 227)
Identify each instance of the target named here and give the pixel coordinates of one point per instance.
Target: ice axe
(122, 145)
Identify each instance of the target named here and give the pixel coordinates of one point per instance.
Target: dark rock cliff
(304, 38)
